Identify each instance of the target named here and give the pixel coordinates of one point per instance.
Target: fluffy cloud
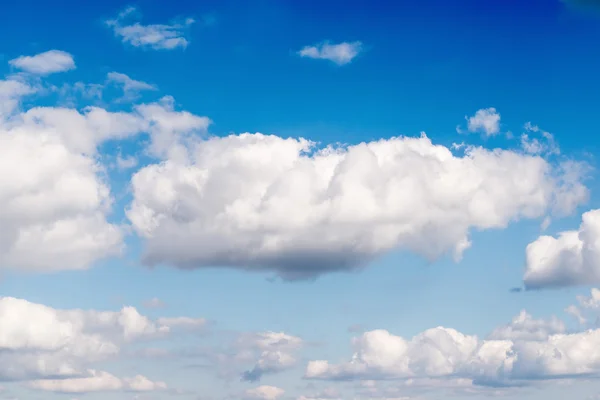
(340, 54)
(272, 351)
(55, 198)
(154, 36)
(37, 341)
(46, 63)
(98, 381)
(571, 258)
(263, 202)
(523, 351)
(55, 350)
(486, 121)
(264, 393)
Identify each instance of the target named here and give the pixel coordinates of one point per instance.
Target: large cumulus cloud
(263, 202)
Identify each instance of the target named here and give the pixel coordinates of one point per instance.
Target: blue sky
(296, 200)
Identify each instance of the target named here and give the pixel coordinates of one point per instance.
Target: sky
(299, 200)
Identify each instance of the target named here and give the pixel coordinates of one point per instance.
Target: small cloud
(131, 88)
(46, 63)
(340, 54)
(154, 302)
(544, 144)
(127, 83)
(125, 163)
(154, 36)
(516, 290)
(485, 120)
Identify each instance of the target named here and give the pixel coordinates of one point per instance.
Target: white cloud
(264, 393)
(38, 342)
(545, 144)
(534, 353)
(485, 120)
(131, 87)
(127, 83)
(46, 63)
(41, 341)
(98, 381)
(274, 353)
(262, 202)
(340, 54)
(12, 92)
(127, 162)
(525, 327)
(46, 152)
(586, 305)
(154, 36)
(571, 258)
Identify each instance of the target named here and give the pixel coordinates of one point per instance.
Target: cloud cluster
(516, 354)
(340, 53)
(153, 36)
(263, 202)
(53, 348)
(55, 200)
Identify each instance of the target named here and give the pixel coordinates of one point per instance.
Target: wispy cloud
(340, 54)
(154, 36)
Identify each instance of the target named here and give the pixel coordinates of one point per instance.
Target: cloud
(55, 347)
(264, 393)
(12, 92)
(130, 87)
(45, 152)
(486, 121)
(46, 63)
(275, 353)
(266, 203)
(128, 162)
(586, 305)
(127, 83)
(571, 258)
(535, 352)
(525, 327)
(39, 341)
(545, 144)
(98, 381)
(154, 36)
(340, 54)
